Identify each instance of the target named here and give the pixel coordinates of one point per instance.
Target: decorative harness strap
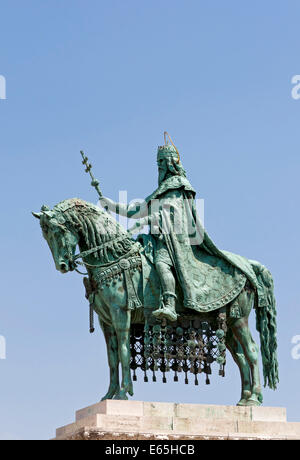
(83, 254)
(115, 271)
(110, 271)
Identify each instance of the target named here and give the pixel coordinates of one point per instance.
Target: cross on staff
(95, 182)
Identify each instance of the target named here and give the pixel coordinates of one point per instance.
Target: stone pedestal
(137, 420)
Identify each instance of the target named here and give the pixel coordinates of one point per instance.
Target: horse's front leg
(121, 320)
(113, 360)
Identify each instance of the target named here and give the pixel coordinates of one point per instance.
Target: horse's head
(75, 222)
(61, 240)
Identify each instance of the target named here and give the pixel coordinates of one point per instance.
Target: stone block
(119, 423)
(195, 425)
(157, 424)
(90, 421)
(270, 428)
(213, 412)
(135, 424)
(112, 407)
(113, 419)
(268, 414)
(159, 409)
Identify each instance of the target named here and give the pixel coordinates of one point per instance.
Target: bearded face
(168, 165)
(162, 169)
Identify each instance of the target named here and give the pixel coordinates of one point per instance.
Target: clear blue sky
(110, 77)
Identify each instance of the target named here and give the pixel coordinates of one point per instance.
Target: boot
(167, 309)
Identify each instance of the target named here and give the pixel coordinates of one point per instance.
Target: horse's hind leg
(242, 333)
(113, 360)
(238, 356)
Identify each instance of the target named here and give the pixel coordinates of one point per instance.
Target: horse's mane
(95, 227)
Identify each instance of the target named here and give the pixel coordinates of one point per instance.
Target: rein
(83, 254)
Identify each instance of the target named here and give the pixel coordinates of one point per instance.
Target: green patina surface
(174, 270)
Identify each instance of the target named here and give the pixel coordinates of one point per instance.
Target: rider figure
(171, 204)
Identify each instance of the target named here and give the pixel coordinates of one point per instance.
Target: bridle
(74, 260)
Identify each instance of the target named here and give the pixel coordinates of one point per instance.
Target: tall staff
(95, 183)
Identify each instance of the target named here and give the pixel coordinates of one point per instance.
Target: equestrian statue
(167, 300)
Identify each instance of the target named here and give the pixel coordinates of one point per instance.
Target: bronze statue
(169, 300)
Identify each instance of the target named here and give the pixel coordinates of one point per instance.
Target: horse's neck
(111, 238)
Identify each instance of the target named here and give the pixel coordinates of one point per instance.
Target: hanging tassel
(92, 328)
(145, 377)
(134, 378)
(207, 369)
(222, 370)
(133, 300)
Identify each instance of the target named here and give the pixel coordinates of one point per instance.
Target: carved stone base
(137, 420)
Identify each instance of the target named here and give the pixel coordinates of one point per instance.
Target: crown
(168, 150)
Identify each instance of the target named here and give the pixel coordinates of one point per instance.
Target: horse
(119, 277)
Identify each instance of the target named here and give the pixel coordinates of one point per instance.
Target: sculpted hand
(104, 202)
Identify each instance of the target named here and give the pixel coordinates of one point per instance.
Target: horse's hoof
(252, 402)
(121, 395)
(110, 394)
(130, 391)
(242, 402)
(246, 394)
(107, 397)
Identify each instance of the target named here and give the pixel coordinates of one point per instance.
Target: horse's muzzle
(63, 268)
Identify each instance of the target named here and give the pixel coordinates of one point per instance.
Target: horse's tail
(265, 308)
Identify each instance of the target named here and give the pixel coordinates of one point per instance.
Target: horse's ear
(49, 214)
(37, 214)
